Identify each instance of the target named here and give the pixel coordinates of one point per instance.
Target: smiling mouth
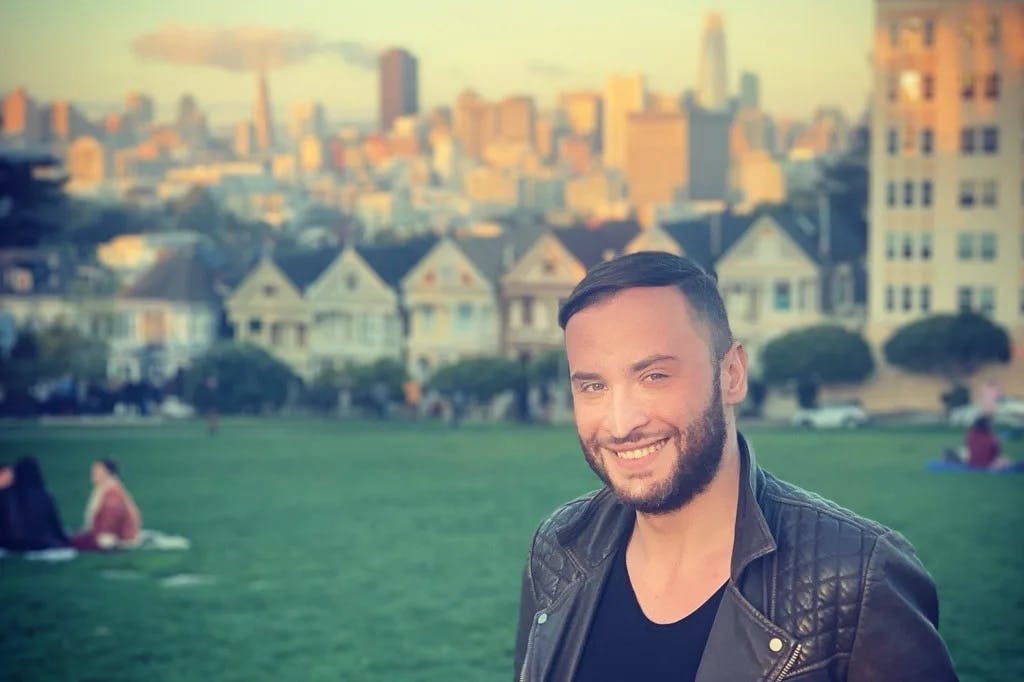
(640, 453)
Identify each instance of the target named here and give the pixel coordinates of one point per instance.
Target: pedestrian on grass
(693, 562)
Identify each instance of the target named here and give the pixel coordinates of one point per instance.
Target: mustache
(633, 437)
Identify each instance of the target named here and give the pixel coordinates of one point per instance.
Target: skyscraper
(712, 88)
(656, 168)
(623, 95)
(262, 119)
(475, 123)
(399, 86)
(21, 117)
(946, 179)
(138, 109)
(750, 90)
(516, 119)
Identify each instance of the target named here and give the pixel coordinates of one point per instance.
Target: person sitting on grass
(33, 522)
(6, 506)
(111, 518)
(983, 447)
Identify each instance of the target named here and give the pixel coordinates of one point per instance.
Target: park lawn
(328, 550)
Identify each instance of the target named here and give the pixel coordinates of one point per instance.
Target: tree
(952, 346)
(373, 381)
(816, 356)
(50, 354)
(548, 367)
(480, 379)
(237, 378)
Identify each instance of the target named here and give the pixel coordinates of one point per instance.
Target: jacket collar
(596, 533)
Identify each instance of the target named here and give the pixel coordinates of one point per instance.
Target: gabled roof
(393, 261)
(303, 267)
(803, 228)
(486, 253)
(589, 245)
(183, 277)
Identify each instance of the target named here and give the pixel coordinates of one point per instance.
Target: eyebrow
(637, 366)
(641, 365)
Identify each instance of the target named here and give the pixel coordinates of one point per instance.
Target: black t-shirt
(624, 645)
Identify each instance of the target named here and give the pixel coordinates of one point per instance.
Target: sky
(808, 53)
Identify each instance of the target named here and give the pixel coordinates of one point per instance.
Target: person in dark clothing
(982, 446)
(34, 520)
(6, 516)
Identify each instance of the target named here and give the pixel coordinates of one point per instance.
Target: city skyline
(807, 56)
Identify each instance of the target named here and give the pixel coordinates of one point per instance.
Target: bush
(953, 346)
(480, 379)
(236, 378)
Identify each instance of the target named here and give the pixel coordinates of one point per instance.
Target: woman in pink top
(111, 518)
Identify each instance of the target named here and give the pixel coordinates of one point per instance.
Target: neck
(701, 530)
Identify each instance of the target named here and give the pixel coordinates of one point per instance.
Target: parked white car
(1009, 413)
(830, 417)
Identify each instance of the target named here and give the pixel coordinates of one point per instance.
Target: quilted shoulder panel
(550, 566)
(818, 570)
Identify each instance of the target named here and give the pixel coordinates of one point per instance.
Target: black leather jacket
(815, 592)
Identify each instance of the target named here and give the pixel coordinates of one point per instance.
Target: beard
(693, 470)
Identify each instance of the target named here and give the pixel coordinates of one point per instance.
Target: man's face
(6, 477)
(647, 397)
(98, 473)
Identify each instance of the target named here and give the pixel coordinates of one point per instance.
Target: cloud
(545, 69)
(245, 48)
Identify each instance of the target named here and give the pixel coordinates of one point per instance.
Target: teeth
(641, 452)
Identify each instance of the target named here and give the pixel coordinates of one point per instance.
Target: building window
(255, 325)
(966, 193)
(964, 299)
(928, 86)
(276, 334)
(351, 282)
(782, 295)
(987, 248)
(427, 318)
(992, 86)
(269, 291)
(527, 311)
(929, 32)
(926, 246)
(926, 298)
(967, 86)
(908, 299)
(300, 336)
(890, 297)
(988, 193)
(908, 246)
(890, 194)
(908, 193)
(965, 246)
(990, 140)
(893, 141)
(893, 87)
(894, 34)
(890, 245)
(967, 141)
(995, 29)
(1020, 302)
(986, 300)
(465, 315)
(927, 141)
(926, 193)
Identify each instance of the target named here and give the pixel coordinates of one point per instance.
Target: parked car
(1009, 413)
(830, 417)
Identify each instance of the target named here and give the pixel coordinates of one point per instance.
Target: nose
(626, 414)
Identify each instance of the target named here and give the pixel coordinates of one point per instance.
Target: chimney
(824, 225)
(715, 226)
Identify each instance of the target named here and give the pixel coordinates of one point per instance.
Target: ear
(734, 374)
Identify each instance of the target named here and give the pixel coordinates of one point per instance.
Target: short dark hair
(655, 269)
(110, 465)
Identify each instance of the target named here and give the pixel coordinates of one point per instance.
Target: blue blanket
(943, 465)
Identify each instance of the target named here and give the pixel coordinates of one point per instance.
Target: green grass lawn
(330, 551)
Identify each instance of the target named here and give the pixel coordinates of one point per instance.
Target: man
(692, 563)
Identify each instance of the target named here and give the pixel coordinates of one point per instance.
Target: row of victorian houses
(429, 301)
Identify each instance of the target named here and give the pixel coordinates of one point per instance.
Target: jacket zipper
(790, 662)
(529, 643)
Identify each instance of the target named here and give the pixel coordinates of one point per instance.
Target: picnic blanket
(959, 467)
(149, 539)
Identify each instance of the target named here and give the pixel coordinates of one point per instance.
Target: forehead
(637, 322)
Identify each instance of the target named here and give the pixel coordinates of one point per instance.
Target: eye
(591, 387)
(655, 376)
